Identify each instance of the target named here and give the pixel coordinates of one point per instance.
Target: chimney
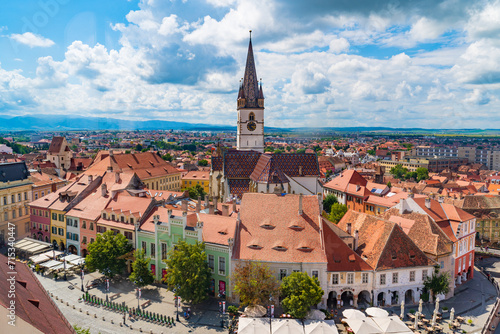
(349, 228)
(117, 177)
(111, 153)
(90, 179)
(156, 219)
(211, 208)
(184, 213)
(300, 205)
(104, 190)
(225, 210)
(441, 199)
(428, 203)
(169, 211)
(411, 195)
(206, 201)
(401, 206)
(198, 204)
(215, 199)
(234, 205)
(320, 202)
(110, 168)
(356, 240)
(184, 205)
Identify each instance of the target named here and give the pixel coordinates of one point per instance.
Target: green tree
(301, 150)
(167, 157)
(438, 283)
(422, 173)
(138, 147)
(269, 149)
(141, 274)
(188, 272)
(371, 152)
(288, 148)
(389, 184)
(127, 152)
(328, 173)
(399, 171)
(300, 292)
(145, 149)
(337, 212)
(196, 191)
(104, 253)
(81, 330)
(254, 282)
(203, 162)
(329, 201)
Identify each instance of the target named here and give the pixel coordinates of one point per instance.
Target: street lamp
(65, 278)
(83, 274)
(177, 301)
(138, 298)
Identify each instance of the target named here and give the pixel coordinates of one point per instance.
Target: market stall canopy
(316, 315)
(377, 312)
(39, 258)
(74, 259)
(253, 326)
(353, 314)
(287, 326)
(392, 325)
(53, 253)
(320, 327)
(32, 246)
(363, 326)
(50, 264)
(61, 266)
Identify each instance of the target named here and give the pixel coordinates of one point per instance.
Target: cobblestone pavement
(204, 318)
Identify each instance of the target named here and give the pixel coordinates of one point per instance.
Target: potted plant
(412, 311)
(232, 310)
(445, 309)
(55, 276)
(37, 268)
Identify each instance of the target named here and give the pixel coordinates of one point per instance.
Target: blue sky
(424, 63)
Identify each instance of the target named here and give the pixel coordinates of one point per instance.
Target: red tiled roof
(46, 317)
(240, 164)
(56, 144)
(342, 181)
(299, 244)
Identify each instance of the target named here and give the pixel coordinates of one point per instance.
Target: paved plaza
(473, 300)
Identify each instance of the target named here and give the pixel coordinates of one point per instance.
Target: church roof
(240, 164)
(272, 167)
(250, 82)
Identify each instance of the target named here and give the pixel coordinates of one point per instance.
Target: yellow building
(191, 179)
(411, 166)
(58, 228)
(15, 194)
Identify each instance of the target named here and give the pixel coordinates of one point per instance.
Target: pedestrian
(124, 317)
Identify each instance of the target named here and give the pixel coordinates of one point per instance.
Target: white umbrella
(402, 309)
(391, 325)
(452, 314)
(417, 315)
(320, 327)
(255, 311)
(363, 326)
(316, 315)
(420, 306)
(437, 305)
(287, 326)
(377, 312)
(353, 314)
(253, 326)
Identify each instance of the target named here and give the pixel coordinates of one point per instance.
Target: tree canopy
(402, 173)
(141, 274)
(104, 253)
(300, 292)
(329, 201)
(195, 191)
(254, 282)
(188, 273)
(337, 212)
(203, 162)
(167, 157)
(438, 283)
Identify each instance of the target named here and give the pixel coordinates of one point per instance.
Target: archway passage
(347, 297)
(394, 298)
(380, 299)
(364, 298)
(84, 253)
(409, 297)
(54, 243)
(332, 299)
(72, 249)
(62, 246)
(47, 239)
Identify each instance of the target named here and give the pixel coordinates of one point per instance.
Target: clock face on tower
(251, 126)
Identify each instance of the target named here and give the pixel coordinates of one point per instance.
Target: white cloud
(32, 40)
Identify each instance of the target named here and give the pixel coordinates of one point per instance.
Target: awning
(39, 258)
(50, 264)
(52, 253)
(392, 325)
(61, 266)
(32, 246)
(287, 326)
(253, 326)
(363, 326)
(74, 259)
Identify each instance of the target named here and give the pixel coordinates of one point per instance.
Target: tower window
(251, 116)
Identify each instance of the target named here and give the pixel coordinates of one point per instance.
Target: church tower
(250, 134)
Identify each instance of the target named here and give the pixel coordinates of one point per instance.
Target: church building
(247, 168)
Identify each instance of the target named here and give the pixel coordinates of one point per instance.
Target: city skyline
(400, 64)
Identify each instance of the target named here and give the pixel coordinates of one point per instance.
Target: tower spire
(250, 81)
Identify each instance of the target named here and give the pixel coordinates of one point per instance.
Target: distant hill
(69, 123)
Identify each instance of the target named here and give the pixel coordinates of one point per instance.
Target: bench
(146, 303)
(116, 295)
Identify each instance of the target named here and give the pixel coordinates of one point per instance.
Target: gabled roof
(383, 244)
(33, 304)
(271, 229)
(424, 232)
(346, 178)
(340, 257)
(56, 145)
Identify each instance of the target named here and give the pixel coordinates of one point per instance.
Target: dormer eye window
(267, 226)
(296, 227)
(280, 248)
(222, 232)
(255, 246)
